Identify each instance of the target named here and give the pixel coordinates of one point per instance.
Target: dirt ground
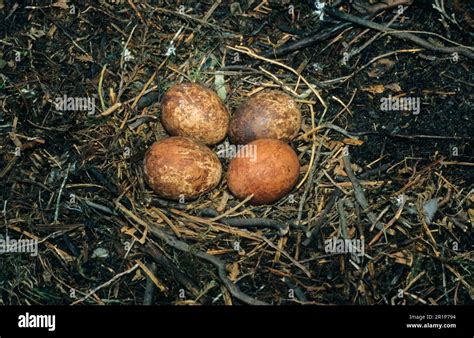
(399, 180)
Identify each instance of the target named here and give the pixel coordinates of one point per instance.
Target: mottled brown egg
(267, 114)
(267, 168)
(192, 110)
(179, 167)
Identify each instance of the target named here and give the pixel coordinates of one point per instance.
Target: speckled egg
(193, 110)
(267, 114)
(269, 175)
(180, 167)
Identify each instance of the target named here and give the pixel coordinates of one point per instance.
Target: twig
(457, 223)
(329, 125)
(306, 42)
(144, 89)
(56, 212)
(334, 183)
(372, 39)
(366, 174)
(12, 10)
(231, 210)
(411, 137)
(253, 236)
(359, 192)
(292, 260)
(161, 203)
(299, 293)
(18, 145)
(313, 149)
(391, 222)
(64, 32)
(321, 36)
(322, 217)
(113, 279)
(182, 246)
(152, 276)
(166, 263)
(130, 2)
(249, 52)
(439, 6)
(100, 207)
(240, 222)
(309, 183)
(384, 5)
(118, 105)
(204, 19)
(100, 89)
(150, 286)
(343, 225)
(399, 34)
(184, 16)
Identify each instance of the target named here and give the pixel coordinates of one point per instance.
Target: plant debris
(384, 206)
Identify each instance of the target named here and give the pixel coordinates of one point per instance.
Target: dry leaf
(335, 144)
(84, 58)
(128, 230)
(356, 168)
(138, 275)
(403, 257)
(394, 87)
(375, 89)
(380, 67)
(471, 215)
(361, 288)
(36, 33)
(61, 4)
(234, 271)
(304, 169)
(52, 30)
(339, 169)
(353, 142)
(223, 202)
(405, 170)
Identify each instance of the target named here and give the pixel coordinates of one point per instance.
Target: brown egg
(267, 114)
(267, 168)
(178, 167)
(190, 109)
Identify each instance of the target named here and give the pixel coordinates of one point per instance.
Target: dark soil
(91, 163)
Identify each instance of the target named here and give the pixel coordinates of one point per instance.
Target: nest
(383, 210)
